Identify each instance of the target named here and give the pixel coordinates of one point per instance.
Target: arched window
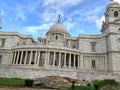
(93, 64)
(116, 14)
(93, 46)
(56, 37)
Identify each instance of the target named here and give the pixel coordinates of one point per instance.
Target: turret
(112, 17)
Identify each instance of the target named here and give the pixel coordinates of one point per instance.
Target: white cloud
(62, 3)
(55, 7)
(81, 31)
(20, 13)
(35, 29)
(94, 11)
(69, 25)
(99, 22)
(118, 1)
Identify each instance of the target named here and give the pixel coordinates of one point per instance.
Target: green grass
(13, 82)
(82, 88)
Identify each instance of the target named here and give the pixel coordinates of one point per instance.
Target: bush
(29, 82)
(101, 83)
(110, 82)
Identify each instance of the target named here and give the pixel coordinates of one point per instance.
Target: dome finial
(59, 21)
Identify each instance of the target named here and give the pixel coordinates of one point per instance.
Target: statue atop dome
(59, 21)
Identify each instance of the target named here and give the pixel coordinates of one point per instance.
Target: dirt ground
(8, 88)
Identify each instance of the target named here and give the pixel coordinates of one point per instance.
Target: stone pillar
(38, 59)
(26, 57)
(54, 36)
(31, 55)
(65, 60)
(17, 57)
(78, 63)
(59, 59)
(70, 60)
(48, 59)
(35, 60)
(54, 57)
(45, 63)
(21, 57)
(14, 58)
(68, 43)
(106, 65)
(81, 61)
(74, 60)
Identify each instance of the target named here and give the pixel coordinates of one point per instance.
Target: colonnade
(46, 58)
(55, 36)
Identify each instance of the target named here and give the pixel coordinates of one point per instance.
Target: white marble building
(85, 57)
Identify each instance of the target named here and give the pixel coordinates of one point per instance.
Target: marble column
(17, 57)
(74, 60)
(45, 63)
(26, 54)
(35, 60)
(54, 57)
(70, 60)
(48, 59)
(38, 59)
(31, 55)
(81, 61)
(21, 58)
(106, 62)
(59, 59)
(78, 62)
(65, 60)
(14, 57)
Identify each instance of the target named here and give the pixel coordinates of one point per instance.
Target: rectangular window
(3, 43)
(93, 45)
(0, 59)
(93, 64)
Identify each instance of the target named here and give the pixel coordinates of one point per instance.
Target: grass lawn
(82, 88)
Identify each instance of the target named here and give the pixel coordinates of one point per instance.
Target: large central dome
(58, 28)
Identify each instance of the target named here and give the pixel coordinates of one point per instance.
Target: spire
(59, 21)
(111, 0)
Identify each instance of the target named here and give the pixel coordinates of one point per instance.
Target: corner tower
(111, 29)
(112, 18)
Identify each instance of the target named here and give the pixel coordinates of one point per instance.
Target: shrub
(99, 83)
(29, 82)
(106, 82)
(110, 82)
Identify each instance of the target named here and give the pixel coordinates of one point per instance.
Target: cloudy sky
(35, 17)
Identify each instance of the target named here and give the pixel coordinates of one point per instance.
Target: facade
(85, 57)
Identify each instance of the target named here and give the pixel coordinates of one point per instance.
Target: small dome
(41, 37)
(58, 27)
(113, 4)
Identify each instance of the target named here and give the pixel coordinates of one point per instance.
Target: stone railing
(33, 46)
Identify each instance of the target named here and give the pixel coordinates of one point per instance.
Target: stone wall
(15, 72)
